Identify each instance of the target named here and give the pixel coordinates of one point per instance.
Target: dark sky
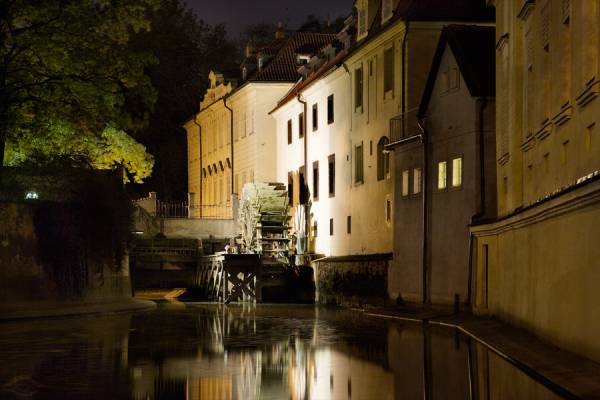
(237, 14)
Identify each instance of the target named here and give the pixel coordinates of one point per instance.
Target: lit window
(31, 196)
(417, 180)
(442, 166)
(457, 172)
(405, 186)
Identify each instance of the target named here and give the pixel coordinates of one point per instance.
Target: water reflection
(204, 352)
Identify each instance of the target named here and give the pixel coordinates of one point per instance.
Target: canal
(201, 352)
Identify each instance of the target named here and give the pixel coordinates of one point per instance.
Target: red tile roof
(283, 67)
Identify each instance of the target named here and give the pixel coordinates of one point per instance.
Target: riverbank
(568, 374)
(27, 310)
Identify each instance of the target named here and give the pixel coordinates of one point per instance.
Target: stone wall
(69, 243)
(44, 258)
(352, 280)
(540, 270)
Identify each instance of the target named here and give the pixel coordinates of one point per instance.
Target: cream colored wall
(328, 139)
(543, 270)
(193, 158)
(373, 229)
(255, 132)
(547, 134)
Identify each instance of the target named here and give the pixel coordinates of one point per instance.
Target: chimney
(250, 48)
(280, 32)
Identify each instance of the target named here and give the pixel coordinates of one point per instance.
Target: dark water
(201, 352)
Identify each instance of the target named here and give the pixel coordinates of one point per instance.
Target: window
(316, 180)
(330, 226)
(545, 14)
(383, 159)
(417, 180)
(388, 210)
(457, 172)
(301, 125)
(330, 109)
(442, 166)
(349, 224)
(563, 152)
(315, 117)
(362, 20)
(566, 11)
(289, 131)
(405, 182)
(358, 89)
(386, 9)
(315, 226)
(358, 164)
(291, 188)
(303, 185)
(331, 175)
(388, 70)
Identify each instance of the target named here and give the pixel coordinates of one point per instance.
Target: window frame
(301, 127)
(315, 180)
(460, 179)
(359, 178)
(445, 180)
(315, 117)
(330, 109)
(290, 133)
(358, 89)
(331, 175)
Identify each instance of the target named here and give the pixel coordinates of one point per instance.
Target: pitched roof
(473, 49)
(431, 10)
(283, 67)
(312, 78)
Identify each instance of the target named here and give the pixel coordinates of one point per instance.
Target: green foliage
(61, 144)
(69, 61)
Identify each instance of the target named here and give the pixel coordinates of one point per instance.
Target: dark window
(330, 109)
(303, 185)
(331, 175)
(290, 136)
(315, 180)
(291, 187)
(330, 226)
(358, 164)
(301, 125)
(315, 226)
(388, 73)
(315, 117)
(383, 159)
(349, 224)
(358, 87)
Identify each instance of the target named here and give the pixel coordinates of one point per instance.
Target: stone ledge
(24, 310)
(564, 372)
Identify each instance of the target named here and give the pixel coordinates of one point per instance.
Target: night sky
(237, 14)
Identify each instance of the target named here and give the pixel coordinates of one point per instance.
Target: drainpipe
(303, 102)
(231, 139)
(351, 94)
(200, 141)
(424, 207)
(404, 44)
(481, 160)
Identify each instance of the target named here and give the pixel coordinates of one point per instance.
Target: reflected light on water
(200, 352)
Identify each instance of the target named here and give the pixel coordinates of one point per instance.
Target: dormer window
(362, 18)
(386, 10)
(302, 59)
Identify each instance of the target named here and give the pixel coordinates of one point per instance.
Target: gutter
(481, 211)
(231, 138)
(424, 207)
(200, 141)
(303, 190)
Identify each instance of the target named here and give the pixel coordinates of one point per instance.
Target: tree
(60, 145)
(186, 49)
(66, 63)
